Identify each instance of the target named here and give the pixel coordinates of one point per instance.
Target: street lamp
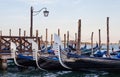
(34, 13)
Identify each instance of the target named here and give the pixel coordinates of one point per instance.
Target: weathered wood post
(4, 64)
(0, 32)
(41, 39)
(75, 40)
(67, 38)
(9, 32)
(108, 54)
(99, 40)
(31, 21)
(19, 32)
(36, 35)
(58, 32)
(0, 39)
(79, 38)
(20, 40)
(46, 41)
(92, 44)
(39, 43)
(51, 39)
(37, 38)
(64, 41)
(24, 33)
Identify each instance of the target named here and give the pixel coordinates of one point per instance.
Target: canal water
(38, 73)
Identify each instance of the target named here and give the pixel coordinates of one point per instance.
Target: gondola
(60, 61)
(84, 50)
(86, 63)
(25, 60)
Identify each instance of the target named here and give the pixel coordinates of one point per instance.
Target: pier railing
(22, 43)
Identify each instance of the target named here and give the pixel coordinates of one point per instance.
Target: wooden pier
(22, 43)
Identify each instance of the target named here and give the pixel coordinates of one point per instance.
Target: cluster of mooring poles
(23, 45)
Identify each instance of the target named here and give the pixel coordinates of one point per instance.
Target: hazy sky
(64, 14)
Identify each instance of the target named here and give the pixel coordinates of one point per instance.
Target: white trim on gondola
(13, 50)
(58, 44)
(35, 52)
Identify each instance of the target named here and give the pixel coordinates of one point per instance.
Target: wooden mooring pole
(3, 65)
(31, 21)
(59, 32)
(41, 39)
(92, 44)
(19, 31)
(37, 35)
(37, 39)
(67, 38)
(108, 54)
(0, 33)
(20, 40)
(3, 61)
(24, 33)
(46, 41)
(51, 39)
(0, 39)
(79, 38)
(75, 40)
(64, 40)
(99, 40)
(10, 32)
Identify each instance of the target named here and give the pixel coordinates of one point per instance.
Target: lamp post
(34, 13)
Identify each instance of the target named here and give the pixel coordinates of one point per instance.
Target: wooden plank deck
(5, 56)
